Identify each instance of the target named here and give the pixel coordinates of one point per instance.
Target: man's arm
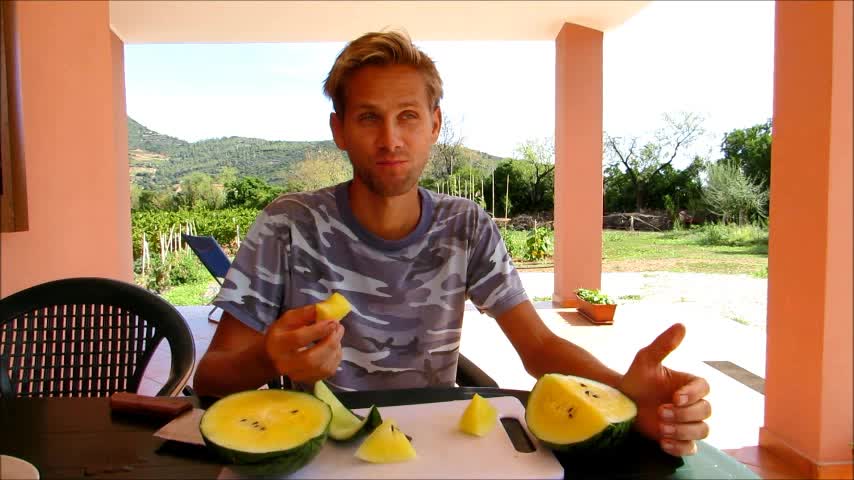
(296, 345)
(671, 405)
(236, 360)
(544, 352)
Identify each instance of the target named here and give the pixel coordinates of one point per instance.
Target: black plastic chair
(92, 337)
(6, 388)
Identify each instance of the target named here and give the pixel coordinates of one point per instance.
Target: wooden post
(507, 197)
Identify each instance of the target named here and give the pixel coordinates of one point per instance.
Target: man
(407, 259)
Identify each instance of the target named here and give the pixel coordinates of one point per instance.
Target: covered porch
(66, 199)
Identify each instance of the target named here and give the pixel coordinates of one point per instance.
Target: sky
(711, 58)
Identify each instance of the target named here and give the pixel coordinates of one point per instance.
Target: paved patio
(738, 409)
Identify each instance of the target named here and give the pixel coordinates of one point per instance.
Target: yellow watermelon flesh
(386, 444)
(479, 417)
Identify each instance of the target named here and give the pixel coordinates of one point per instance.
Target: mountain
(142, 138)
(158, 160)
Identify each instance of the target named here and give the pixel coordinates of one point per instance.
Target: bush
(180, 268)
(539, 245)
(733, 235)
(733, 195)
(595, 297)
(515, 242)
(186, 268)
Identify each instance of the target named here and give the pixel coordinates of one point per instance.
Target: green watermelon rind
(284, 464)
(367, 424)
(278, 462)
(613, 436)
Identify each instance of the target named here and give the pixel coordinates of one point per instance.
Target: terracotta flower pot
(598, 314)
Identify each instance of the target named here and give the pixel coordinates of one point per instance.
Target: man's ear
(437, 123)
(337, 127)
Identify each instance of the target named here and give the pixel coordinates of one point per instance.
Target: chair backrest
(81, 337)
(6, 388)
(210, 253)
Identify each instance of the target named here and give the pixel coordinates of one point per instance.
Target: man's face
(387, 128)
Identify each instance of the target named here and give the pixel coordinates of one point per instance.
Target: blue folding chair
(212, 257)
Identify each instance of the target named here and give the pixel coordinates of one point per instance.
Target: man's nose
(390, 137)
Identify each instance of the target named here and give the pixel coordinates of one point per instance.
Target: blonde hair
(380, 48)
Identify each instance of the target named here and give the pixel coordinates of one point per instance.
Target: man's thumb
(664, 343)
(297, 317)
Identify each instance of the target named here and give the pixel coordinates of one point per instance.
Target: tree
(227, 175)
(750, 148)
(540, 155)
(135, 192)
(198, 191)
(682, 187)
(447, 154)
(643, 163)
(319, 169)
(250, 192)
(161, 199)
(519, 175)
(732, 194)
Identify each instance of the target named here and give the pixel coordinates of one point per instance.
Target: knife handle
(166, 407)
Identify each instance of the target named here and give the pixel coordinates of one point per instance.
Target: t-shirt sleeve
(493, 283)
(253, 290)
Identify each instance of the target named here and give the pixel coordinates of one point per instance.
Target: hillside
(158, 160)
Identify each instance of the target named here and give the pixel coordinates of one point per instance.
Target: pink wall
(75, 143)
(808, 392)
(578, 160)
(838, 388)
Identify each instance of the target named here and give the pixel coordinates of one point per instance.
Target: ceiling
(146, 21)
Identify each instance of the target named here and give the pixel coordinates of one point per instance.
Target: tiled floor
(158, 368)
(738, 408)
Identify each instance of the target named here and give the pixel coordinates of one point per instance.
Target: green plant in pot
(596, 306)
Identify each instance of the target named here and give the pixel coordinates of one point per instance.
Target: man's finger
(305, 336)
(695, 412)
(297, 317)
(656, 351)
(685, 431)
(679, 448)
(692, 392)
(326, 346)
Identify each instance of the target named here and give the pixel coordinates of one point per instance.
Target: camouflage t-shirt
(408, 295)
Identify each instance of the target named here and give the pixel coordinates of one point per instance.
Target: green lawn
(709, 249)
(190, 293)
(684, 251)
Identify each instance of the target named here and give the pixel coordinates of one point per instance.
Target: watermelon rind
(284, 464)
(609, 439)
(346, 425)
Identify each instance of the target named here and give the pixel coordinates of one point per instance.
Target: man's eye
(410, 115)
(368, 116)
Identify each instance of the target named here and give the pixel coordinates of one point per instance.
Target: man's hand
(303, 349)
(671, 408)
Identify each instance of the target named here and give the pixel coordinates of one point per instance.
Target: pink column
(75, 143)
(578, 159)
(808, 390)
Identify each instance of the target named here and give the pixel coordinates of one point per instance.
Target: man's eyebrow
(373, 106)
